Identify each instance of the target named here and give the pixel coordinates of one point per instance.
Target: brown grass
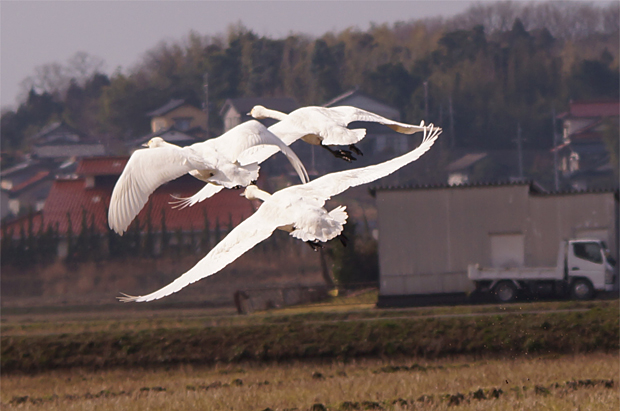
(521, 384)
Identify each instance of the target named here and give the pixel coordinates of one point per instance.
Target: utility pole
(520, 150)
(426, 120)
(451, 114)
(205, 106)
(555, 151)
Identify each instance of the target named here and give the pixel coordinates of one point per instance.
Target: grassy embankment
(480, 331)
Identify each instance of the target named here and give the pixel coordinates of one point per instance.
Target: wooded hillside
(477, 74)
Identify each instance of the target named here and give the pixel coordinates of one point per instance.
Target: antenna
(519, 141)
(205, 104)
(554, 136)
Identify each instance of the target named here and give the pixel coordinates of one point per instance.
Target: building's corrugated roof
(534, 187)
(102, 166)
(244, 105)
(166, 108)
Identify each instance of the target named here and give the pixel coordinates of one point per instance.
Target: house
(185, 117)
(87, 196)
(359, 99)
(428, 235)
(235, 110)
(584, 159)
(59, 140)
(27, 184)
(497, 165)
(170, 134)
(459, 171)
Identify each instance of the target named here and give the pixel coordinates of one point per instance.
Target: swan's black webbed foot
(356, 150)
(346, 155)
(315, 245)
(253, 182)
(343, 239)
(237, 187)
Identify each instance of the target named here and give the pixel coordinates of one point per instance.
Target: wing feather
(247, 141)
(335, 183)
(242, 238)
(146, 170)
(347, 114)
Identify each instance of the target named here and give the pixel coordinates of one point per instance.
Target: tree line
(477, 74)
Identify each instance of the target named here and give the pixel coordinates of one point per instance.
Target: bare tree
(55, 78)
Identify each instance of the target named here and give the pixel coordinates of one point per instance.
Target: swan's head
(258, 112)
(155, 142)
(251, 192)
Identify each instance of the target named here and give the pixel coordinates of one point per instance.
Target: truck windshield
(588, 251)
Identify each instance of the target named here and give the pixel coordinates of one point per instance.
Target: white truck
(583, 267)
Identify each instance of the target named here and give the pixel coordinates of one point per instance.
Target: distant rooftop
(243, 105)
(166, 108)
(598, 108)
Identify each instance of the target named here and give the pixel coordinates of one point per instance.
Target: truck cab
(584, 266)
(589, 267)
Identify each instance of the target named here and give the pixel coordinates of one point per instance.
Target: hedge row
(504, 335)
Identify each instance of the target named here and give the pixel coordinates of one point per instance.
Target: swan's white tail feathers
(339, 214)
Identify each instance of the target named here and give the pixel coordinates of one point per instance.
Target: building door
(507, 250)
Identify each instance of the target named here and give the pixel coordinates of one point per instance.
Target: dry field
(584, 382)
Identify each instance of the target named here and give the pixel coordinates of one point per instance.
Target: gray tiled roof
(243, 105)
(169, 106)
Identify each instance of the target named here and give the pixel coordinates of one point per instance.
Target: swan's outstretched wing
(146, 170)
(346, 114)
(242, 238)
(284, 132)
(335, 183)
(242, 142)
(208, 191)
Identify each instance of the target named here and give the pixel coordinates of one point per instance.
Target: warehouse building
(429, 235)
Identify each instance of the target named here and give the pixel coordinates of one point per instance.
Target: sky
(34, 33)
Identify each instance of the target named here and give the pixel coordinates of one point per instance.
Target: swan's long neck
(269, 113)
(261, 195)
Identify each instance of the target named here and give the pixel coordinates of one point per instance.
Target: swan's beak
(248, 114)
(145, 145)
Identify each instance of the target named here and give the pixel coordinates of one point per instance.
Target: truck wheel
(505, 292)
(582, 289)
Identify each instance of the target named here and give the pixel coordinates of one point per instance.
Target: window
(588, 251)
(182, 123)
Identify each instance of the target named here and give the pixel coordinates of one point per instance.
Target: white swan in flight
(296, 209)
(323, 127)
(222, 162)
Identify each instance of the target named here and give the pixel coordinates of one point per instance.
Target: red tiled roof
(593, 109)
(35, 178)
(100, 166)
